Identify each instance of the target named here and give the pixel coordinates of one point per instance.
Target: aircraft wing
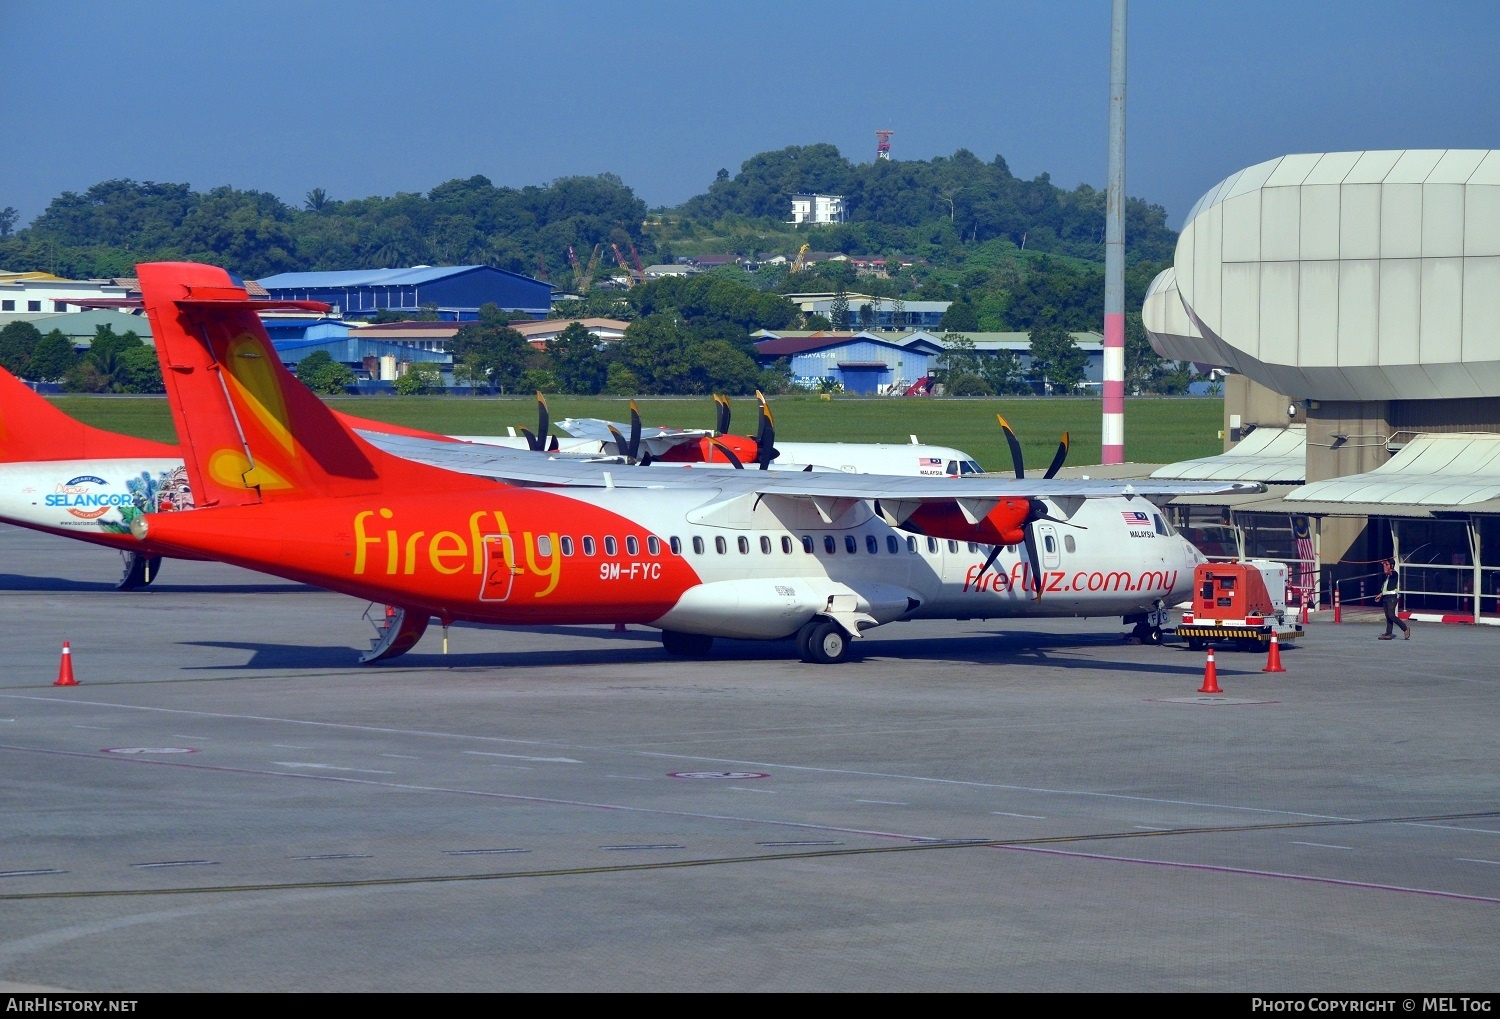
(656, 440)
(523, 467)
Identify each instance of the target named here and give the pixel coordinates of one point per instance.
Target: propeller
(721, 414)
(1058, 458)
(765, 435)
(537, 441)
(1037, 510)
(631, 449)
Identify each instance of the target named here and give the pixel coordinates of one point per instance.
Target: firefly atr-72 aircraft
(284, 487)
(63, 477)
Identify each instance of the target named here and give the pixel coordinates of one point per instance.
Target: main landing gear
(822, 641)
(139, 571)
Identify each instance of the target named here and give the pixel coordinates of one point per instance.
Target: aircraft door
(500, 567)
(1049, 546)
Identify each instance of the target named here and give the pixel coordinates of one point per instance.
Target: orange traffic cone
(1210, 676)
(65, 669)
(1273, 659)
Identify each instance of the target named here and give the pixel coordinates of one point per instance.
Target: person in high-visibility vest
(1388, 592)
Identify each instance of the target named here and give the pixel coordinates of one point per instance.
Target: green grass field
(1156, 430)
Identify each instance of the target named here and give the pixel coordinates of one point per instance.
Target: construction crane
(620, 259)
(581, 277)
(800, 262)
(636, 258)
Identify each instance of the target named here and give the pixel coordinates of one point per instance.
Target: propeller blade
(1015, 447)
(1058, 458)
(729, 455)
(635, 432)
(621, 446)
(765, 435)
(990, 561)
(543, 419)
(532, 442)
(721, 414)
(552, 445)
(1035, 559)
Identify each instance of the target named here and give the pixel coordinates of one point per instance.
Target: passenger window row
(851, 545)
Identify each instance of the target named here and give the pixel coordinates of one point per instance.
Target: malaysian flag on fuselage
(929, 461)
(1136, 518)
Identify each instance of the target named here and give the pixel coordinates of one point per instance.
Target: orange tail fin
(250, 431)
(31, 428)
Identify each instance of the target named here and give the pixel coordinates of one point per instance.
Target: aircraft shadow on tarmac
(21, 583)
(1058, 651)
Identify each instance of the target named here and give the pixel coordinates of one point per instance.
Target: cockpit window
(1161, 525)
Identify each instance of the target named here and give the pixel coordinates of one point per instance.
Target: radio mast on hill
(883, 144)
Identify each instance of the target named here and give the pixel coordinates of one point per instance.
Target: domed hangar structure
(1358, 293)
(1351, 275)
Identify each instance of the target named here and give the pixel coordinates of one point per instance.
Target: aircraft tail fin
(250, 431)
(31, 428)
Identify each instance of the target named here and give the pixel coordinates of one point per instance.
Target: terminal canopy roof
(1434, 473)
(1276, 455)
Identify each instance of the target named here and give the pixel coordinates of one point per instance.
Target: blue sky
(377, 97)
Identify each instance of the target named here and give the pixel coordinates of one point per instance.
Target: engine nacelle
(1005, 524)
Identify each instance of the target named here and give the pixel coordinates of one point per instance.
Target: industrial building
(457, 292)
(1355, 299)
(872, 363)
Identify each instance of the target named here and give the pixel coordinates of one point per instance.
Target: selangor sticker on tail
(89, 498)
(97, 503)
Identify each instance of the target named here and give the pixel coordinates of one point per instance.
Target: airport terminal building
(1354, 297)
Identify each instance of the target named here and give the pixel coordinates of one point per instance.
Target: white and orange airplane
(283, 486)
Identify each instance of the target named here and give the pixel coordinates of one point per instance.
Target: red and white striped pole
(1113, 437)
(1338, 616)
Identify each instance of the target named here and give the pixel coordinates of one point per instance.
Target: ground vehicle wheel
(1247, 644)
(686, 645)
(829, 644)
(1196, 643)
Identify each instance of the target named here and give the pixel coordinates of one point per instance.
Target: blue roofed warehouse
(457, 291)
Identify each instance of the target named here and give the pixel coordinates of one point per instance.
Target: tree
(1001, 372)
(17, 341)
(138, 371)
(960, 317)
(317, 200)
(421, 377)
(621, 381)
(8, 217)
(52, 358)
(838, 312)
(322, 374)
(578, 363)
(493, 350)
(1056, 360)
(107, 343)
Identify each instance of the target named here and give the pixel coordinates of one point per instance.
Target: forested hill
(940, 212)
(898, 204)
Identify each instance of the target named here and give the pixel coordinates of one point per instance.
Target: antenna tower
(883, 144)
